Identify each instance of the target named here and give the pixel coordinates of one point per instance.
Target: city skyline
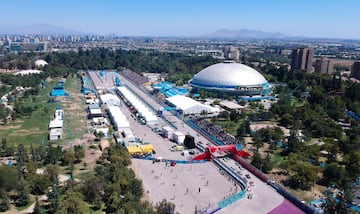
(316, 19)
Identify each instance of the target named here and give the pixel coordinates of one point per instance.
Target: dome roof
(228, 74)
(40, 62)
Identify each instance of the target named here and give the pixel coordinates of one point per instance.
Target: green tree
(68, 157)
(37, 209)
(256, 160)
(38, 184)
(4, 201)
(72, 203)
(258, 143)
(114, 202)
(21, 156)
(79, 153)
(52, 171)
(287, 120)
(267, 164)
(7, 177)
(304, 176)
(22, 198)
(333, 173)
(53, 154)
(93, 187)
(234, 116)
(352, 164)
(3, 143)
(53, 198)
(294, 144)
(165, 207)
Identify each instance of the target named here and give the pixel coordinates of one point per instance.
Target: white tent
(190, 106)
(140, 107)
(117, 118)
(110, 100)
(56, 123)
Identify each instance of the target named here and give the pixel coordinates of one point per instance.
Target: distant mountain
(44, 29)
(244, 34)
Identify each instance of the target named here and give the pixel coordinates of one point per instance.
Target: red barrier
(207, 155)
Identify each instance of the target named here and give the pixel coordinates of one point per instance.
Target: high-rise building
(324, 66)
(231, 52)
(302, 58)
(355, 70)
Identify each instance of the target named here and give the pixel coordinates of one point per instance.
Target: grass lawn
(296, 103)
(74, 108)
(34, 128)
(277, 159)
(84, 174)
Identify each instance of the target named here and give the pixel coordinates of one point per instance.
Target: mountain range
(39, 29)
(47, 29)
(244, 34)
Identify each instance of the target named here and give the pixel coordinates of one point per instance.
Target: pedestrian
(199, 189)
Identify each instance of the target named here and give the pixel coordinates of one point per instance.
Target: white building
(109, 100)
(139, 106)
(55, 134)
(188, 105)
(167, 132)
(118, 119)
(178, 137)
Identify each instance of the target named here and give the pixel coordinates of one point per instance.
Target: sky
(311, 18)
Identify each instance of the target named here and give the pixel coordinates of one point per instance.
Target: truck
(177, 148)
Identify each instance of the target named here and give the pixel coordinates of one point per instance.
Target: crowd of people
(135, 77)
(216, 131)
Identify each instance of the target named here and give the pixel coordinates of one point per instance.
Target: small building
(167, 132)
(55, 134)
(231, 106)
(99, 121)
(95, 112)
(178, 137)
(58, 91)
(59, 114)
(94, 106)
(104, 130)
(56, 123)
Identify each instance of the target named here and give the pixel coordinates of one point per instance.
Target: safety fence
(232, 199)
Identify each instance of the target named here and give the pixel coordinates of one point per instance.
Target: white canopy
(190, 106)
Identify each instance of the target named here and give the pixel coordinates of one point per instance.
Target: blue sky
(313, 18)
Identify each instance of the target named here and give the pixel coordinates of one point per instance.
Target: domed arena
(232, 78)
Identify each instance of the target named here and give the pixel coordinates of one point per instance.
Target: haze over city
(320, 19)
